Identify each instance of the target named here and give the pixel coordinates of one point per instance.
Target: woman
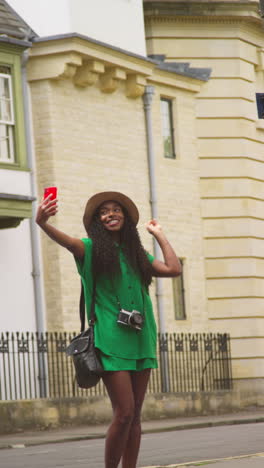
(114, 257)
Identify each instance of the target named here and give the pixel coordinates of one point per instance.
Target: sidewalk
(92, 432)
(248, 461)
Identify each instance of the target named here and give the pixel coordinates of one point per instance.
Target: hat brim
(96, 200)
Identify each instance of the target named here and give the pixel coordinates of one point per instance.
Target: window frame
(9, 124)
(10, 56)
(260, 105)
(170, 102)
(175, 289)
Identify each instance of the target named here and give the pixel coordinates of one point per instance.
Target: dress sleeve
(84, 265)
(150, 257)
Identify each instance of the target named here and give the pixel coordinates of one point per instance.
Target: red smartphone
(52, 191)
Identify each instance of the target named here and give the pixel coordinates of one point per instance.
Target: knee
(124, 416)
(136, 419)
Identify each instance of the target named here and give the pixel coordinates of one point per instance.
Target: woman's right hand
(46, 209)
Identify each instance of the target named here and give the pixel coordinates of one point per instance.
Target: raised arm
(49, 208)
(171, 266)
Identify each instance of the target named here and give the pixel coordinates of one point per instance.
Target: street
(160, 448)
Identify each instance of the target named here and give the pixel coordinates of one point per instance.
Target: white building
(119, 23)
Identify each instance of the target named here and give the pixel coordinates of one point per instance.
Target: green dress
(122, 348)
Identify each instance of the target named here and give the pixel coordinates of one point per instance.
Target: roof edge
(75, 35)
(182, 68)
(11, 40)
(201, 74)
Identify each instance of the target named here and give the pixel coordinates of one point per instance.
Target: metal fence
(34, 365)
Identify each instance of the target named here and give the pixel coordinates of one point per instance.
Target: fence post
(164, 363)
(42, 348)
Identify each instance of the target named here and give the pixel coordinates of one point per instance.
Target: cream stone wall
(89, 127)
(231, 153)
(179, 206)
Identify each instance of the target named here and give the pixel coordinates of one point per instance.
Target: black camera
(132, 319)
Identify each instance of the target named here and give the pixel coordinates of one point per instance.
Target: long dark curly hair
(105, 259)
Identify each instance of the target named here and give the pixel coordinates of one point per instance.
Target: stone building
(90, 135)
(227, 37)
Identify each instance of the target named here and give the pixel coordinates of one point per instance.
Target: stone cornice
(87, 63)
(85, 39)
(203, 9)
(175, 82)
(203, 19)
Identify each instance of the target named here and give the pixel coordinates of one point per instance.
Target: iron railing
(34, 365)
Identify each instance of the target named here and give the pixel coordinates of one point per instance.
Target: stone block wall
(90, 136)
(230, 40)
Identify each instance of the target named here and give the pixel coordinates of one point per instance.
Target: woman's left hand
(153, 227)
(171, 266)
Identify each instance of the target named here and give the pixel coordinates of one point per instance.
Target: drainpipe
(147, 100)
(35, 240)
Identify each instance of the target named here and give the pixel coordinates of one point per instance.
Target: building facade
(86, 117)
(228, 37)
(90, 135)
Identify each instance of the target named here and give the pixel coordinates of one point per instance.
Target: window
(7, 122)
(13, 155)
(260, 105)
(167, 128)
(178, 297)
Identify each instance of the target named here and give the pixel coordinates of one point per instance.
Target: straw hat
(96, 200)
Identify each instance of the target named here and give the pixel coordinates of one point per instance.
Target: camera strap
(82, 307)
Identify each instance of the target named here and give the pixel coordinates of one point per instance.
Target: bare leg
(139, 385)
(119, 388)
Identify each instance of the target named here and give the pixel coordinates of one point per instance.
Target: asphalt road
(161, 448)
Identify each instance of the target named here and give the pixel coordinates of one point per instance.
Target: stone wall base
(21, 415)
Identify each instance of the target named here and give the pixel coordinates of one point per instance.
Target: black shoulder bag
(85, 356)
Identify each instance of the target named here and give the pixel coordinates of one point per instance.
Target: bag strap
(82, 307)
